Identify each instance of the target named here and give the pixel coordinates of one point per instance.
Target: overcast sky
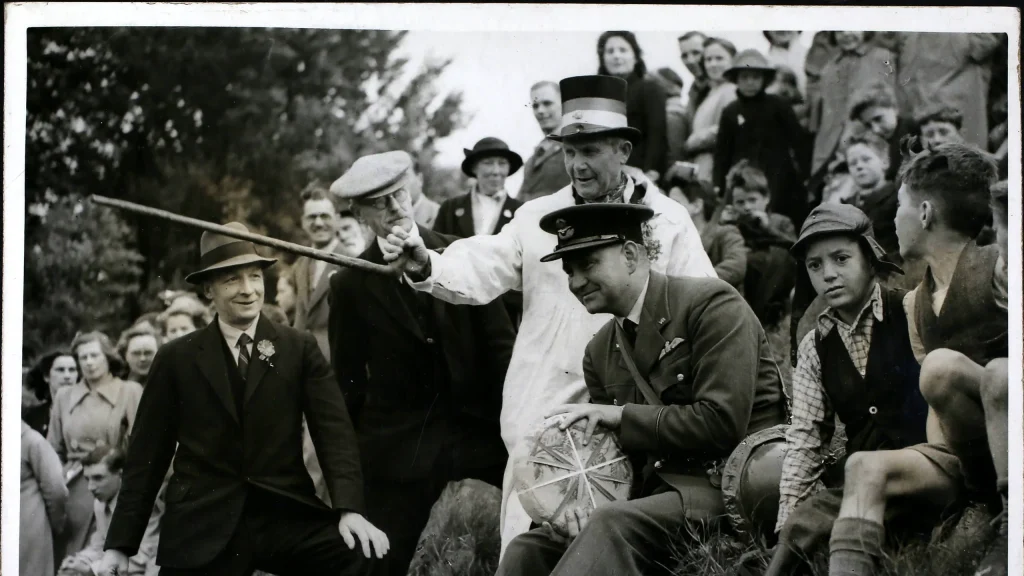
(496, 69)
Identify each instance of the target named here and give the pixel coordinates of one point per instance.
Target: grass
(462, 538)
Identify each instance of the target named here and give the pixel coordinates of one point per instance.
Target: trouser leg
(401, 510)
(531, 554)
(626, 537)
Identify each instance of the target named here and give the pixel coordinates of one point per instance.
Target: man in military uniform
(683, 373)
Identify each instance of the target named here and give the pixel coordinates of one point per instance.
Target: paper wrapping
(558, 472)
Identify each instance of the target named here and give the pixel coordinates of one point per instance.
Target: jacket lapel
(385, 290)
(265, 332)
(545, 155)
(213, 365)
(322, 286)
(653, 319)
(508, 209)
(465, 220)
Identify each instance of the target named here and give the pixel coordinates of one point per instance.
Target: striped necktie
(243, 355)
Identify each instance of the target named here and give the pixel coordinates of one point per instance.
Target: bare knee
(865, 472)
(941, 372)
(994, 393)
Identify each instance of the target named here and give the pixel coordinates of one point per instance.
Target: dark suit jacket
(645, 111)
(455, 216)
(311, 310)
(189, 404)
(718, 385)
(410, 390)
(544, 173)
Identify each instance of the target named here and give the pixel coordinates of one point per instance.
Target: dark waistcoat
(884, 409)
(970, 321)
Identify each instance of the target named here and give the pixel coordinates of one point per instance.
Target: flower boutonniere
(266, 350)
(740, 120)
(507, 213)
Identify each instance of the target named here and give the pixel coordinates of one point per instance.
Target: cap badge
(577, 115)
(565, 233)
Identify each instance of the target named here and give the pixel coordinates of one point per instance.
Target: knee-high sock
(855, 547)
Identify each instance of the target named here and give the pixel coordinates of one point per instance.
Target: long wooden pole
(330, 257)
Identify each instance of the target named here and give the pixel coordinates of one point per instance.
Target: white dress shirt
(231, 335)
(486, 210)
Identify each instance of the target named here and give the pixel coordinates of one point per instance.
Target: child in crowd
(874, 108)
(938, 125)
(771, 271)
(867, 157)
(957, 328)
(763, 129)
(856, 364)
(785, 86)
(723, 242)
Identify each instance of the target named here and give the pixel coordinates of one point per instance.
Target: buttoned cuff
(639, 428)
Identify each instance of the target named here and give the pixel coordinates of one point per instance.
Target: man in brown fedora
(226, 403)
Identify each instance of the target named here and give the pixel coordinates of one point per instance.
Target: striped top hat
(594, 105)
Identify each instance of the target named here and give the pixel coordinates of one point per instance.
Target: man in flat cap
(682, 374)
(226, 403)
(422, 378)
(546, 365)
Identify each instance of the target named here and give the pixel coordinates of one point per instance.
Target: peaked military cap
(594, 105)
(374, 176)
(590, 226)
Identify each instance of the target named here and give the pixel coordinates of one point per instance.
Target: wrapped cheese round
(556, 472)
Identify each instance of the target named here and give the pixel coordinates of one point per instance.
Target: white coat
(546, 368)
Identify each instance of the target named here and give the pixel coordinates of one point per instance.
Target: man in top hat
(856, 364)
(544, 173)
(227, 402)
(546, 363)
(422, 378)
(682, 374)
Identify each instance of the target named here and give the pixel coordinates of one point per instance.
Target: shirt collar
(415, 231)
(830, 318)
(107, 391)
(231, 334)
(498, 198)
(638, 306)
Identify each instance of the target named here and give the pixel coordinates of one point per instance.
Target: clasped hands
(608, 416)
(405, 252)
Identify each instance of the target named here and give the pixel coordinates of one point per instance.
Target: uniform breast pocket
(671, 378)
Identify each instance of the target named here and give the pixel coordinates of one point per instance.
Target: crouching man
(682, 373)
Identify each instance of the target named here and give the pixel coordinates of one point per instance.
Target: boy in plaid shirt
(858, 365)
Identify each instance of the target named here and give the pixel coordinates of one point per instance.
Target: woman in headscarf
(619, 55)
(138, 346)
(700, 146)
(96, 411)
(51, 372)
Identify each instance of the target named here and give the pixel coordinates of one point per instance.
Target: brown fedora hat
(217, 252)
(486, 148)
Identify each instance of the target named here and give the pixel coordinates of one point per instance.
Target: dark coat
(544, 173)
(413, 387)
(455, 216)
(719, 384)
(728, 252)
(188, 412)
(645, 111)
(765, 131)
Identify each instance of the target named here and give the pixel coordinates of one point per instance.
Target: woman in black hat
(620, 55)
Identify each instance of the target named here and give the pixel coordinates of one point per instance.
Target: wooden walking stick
(291, 247)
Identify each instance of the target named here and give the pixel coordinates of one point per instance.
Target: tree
(216, 123)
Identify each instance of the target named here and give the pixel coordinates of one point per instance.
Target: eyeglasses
(382, 202)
